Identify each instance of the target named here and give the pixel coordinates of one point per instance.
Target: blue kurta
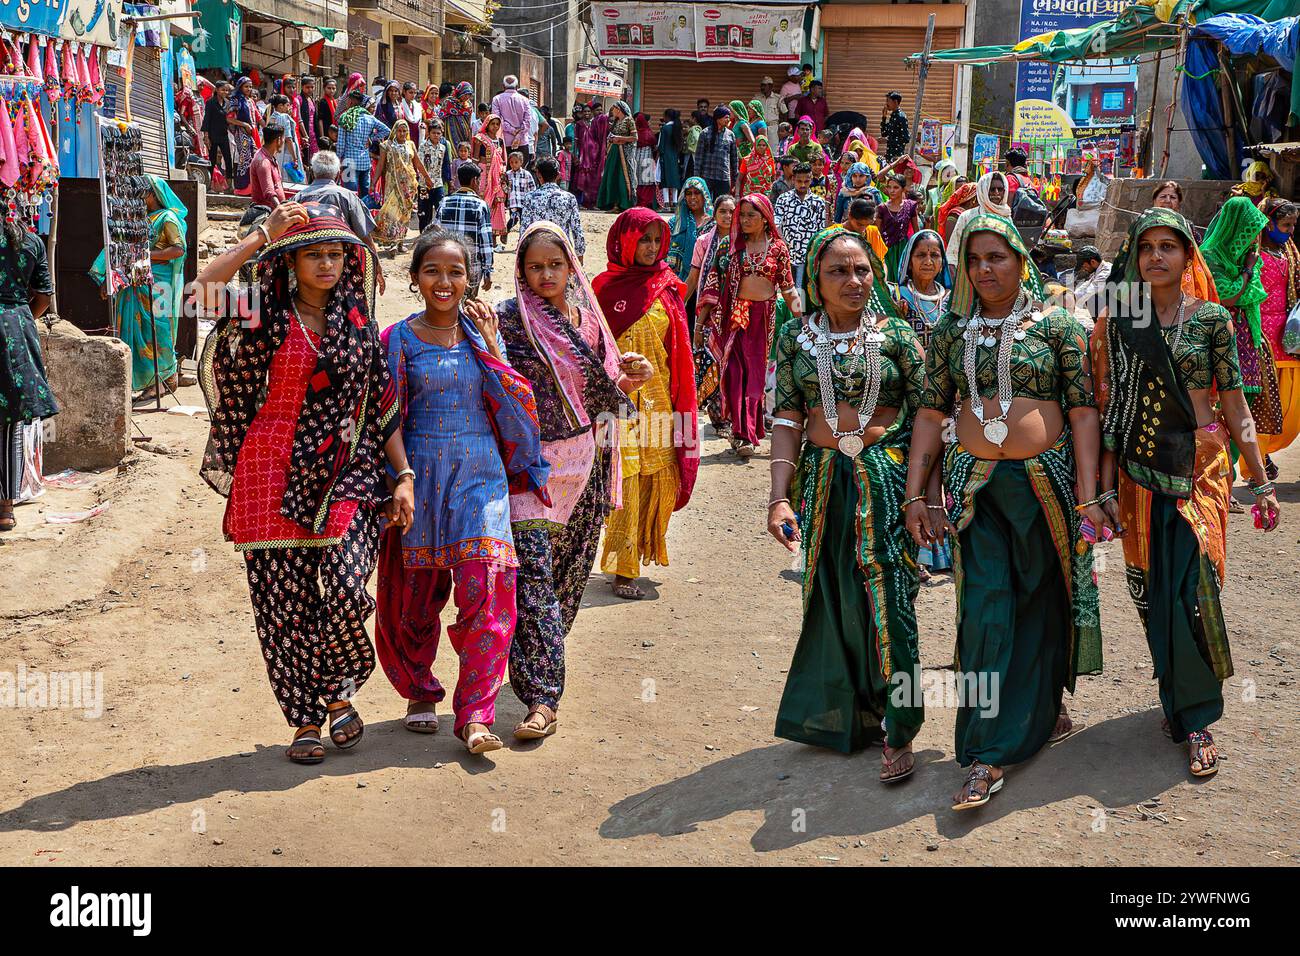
(462, 498)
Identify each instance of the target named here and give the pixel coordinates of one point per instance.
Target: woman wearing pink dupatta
(556, 336)
(489, 151)
(587, 152)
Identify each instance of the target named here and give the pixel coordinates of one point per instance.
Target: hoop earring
(413, 287)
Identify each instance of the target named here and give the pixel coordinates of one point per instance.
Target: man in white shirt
(771, 101)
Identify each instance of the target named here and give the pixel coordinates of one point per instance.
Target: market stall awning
(1221, 144)
(1141, 28)
(1144, 27)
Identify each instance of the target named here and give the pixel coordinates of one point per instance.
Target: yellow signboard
(1040, 120)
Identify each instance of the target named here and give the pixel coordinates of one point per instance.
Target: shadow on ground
(1118, 762)
(266, 770)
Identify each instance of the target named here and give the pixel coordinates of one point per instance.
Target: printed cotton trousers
(311, 606)
(408, 629)
(554, 564)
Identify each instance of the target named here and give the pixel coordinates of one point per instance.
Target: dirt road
(665, 751)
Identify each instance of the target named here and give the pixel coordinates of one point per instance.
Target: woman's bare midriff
(1033, 427)
(819, 433)
(756, 289)
(1203, 405)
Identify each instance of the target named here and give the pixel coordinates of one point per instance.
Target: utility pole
(920, 85)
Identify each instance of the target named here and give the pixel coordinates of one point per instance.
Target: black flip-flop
(308, 758)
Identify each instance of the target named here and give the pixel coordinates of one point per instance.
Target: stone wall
(1128, 197)
(91, 378)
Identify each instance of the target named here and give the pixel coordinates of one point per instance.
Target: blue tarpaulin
(1241, 35)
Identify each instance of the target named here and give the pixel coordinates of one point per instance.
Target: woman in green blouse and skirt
(1027, 609)
(848, 383)
(1172, 394)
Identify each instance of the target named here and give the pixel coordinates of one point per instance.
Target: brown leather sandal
(540, 722)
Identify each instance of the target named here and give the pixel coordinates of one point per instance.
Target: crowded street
(665, 754)
(790, 434)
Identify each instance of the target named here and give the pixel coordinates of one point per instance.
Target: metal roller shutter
(679, 83)
(864, 64)
(146, 106)
(406, 63)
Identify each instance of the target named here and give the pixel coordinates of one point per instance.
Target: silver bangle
(788, 423)
(778, 501)
(785, 461)
(266, 234)
(404, 472)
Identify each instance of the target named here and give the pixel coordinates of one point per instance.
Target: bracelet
(403, 473)
(1267, 488)
(1106, 496)
(777, 501)
(784, 461)
(913, 500)
(936, 507)
(787, 422)
(261, 227)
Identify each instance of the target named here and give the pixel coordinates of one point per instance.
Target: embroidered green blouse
(1049, 364)
(902, 370)
(1207, 351)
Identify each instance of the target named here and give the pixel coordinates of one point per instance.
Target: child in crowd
(827, 139)
(462, 157)
(288, 158)
(860, 217)
(519, 183)
(784, 182)
(565, 158)
(820, 184)
(856, 185)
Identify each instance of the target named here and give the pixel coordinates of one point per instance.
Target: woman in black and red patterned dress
(303, 412)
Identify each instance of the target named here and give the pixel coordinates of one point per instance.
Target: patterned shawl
(562, 355)
(1139, 365)
(960, 196)
(882, 299)
(574, 385)
(684, 229)
(350, 410)
(963, 295)
(626, 292)
(511, 409)
(1230, 237)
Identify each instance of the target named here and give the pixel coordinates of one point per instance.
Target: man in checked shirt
(465, 212)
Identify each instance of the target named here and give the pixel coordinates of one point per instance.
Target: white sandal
(427, 717)
(483, 741)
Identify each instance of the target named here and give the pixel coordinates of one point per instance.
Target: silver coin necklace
(863, 348)
(980, 333)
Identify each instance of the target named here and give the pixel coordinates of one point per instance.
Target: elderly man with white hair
(325, 189)
(517, 124)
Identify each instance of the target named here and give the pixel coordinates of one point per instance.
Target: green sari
(618, 183)
(855, 677)
(1028, 612)
(146, 318)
